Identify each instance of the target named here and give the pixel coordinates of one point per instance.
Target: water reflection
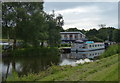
(25, 65)
(82, 55)
(71, 58)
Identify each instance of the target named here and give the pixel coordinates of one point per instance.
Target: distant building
(70, 37)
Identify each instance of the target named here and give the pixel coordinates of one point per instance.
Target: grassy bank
(111, 50)
(105, 69)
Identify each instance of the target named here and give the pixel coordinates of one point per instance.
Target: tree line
(28, 22)
(100, 35)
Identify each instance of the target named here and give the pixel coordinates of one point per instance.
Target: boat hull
(83, 50)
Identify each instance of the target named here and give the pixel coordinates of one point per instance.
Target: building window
(89, 45)
(71, 36)
(76, 36)
(65, 36)
(80, 35)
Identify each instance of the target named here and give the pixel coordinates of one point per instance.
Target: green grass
(111, 50)
(105, 69)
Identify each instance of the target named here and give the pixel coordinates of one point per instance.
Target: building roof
(71, 33)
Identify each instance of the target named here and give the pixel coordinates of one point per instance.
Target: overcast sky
(85, 15)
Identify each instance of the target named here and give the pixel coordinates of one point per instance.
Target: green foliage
(14, 77)
(116, 35)
(54, 33)
(100, 35)
(72, 29)
(1, 49)
(19, 20)
(104, 33)
(96, 39)
(28, 22)
(31, 51)
(111, 50)
(91, 32)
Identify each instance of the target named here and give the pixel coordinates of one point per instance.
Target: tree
(116, 35)
(91, 32)
(106, 33)
(19, 16)
(59, 20)
(53, 31)
(102, 25)
(28, 22)
(72, 29)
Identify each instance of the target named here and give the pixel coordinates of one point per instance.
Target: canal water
(25, 65)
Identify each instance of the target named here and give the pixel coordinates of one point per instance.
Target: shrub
(35, 51)
(111, 50)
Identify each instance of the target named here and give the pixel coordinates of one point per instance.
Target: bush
(38, 51)
(111, 50)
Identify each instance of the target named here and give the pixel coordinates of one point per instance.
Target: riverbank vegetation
(111, 50)
(105, 69)
(35, 52)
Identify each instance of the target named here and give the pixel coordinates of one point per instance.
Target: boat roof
(89, 42)
(78, 41)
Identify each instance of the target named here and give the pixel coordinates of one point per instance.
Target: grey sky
(85, 15)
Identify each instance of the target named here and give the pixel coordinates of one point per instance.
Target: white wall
(73, 36)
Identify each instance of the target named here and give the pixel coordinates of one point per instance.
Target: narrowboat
(79, 46)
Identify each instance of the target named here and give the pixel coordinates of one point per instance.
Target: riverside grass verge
(111, 50)
(105, 69)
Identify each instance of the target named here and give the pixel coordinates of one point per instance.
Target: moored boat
(86, 46)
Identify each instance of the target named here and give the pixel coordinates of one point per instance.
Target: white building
(71, 36)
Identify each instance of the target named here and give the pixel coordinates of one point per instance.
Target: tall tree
(59, 20)
(72, 29)
(53, 31)
(92, 32)
(106, 33)
(116, 35)
(19, 17)
(28, 22)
